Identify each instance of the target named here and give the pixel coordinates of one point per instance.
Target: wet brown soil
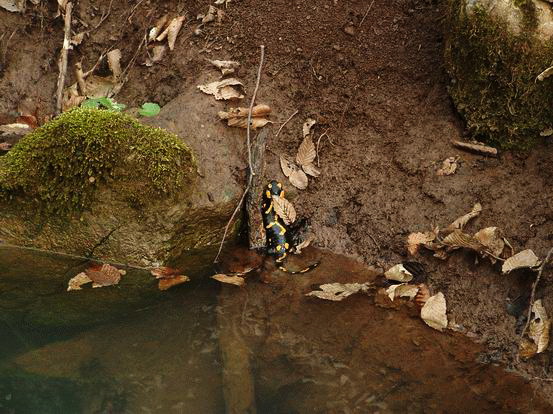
(380, 93)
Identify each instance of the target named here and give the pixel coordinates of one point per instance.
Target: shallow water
(200, 348)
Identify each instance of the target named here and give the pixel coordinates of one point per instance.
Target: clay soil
(379, 90)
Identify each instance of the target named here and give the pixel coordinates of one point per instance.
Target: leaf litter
(100, 275)
(238, 117)
(337, 291)
(538, 332)
(168, 277)
(223, 90)
(433, 312)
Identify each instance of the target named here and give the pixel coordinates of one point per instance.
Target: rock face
(94, 181)
(495, 50)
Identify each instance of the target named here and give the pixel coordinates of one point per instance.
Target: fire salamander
(276, 229)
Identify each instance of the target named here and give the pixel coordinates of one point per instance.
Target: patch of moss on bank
(61, 164)
(494, 76)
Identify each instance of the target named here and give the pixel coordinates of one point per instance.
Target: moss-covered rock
(495, 49)
(60, 165)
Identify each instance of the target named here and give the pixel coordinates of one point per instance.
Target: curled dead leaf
(307, 126)
(414, 240)
(284, 209)
(457, 239)
(232, 280)
(449, 166)
(158, 28)
(545, 74)
(223, 90)
(527, 348)
(492, 240)
(539, 328)
(463, 220)
(524, 259)
(241, 112)
(227, 67)
(173, 30)
(338, 291)
(243, 122)
(167, 283)
(433, 313)
(398, 273)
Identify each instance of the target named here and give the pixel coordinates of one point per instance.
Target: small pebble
(349, 30)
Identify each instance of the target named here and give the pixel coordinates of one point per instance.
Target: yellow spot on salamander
(279, 248)
(268, 193)
(286, 246)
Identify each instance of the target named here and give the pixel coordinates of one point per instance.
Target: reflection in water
(263, 348)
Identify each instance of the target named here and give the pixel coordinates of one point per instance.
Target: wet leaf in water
(433, 313)
(104, 275)
(521, 260)
(76, 282)
(284, 209)
(463, 220)
(338, 291)
(165, 272)
(167, 283)
(414, 240)
(232, 280)
(398, 273)
(303, 245)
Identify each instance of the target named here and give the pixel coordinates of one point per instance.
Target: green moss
(62, 164)
(494, 77)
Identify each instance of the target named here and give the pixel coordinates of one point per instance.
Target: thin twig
(285, 122)
(325, 133)
(250, 166)
(63, 57)
(133, 10)
(534, 286)
(104, 16)
(252, 103)
(366, 13)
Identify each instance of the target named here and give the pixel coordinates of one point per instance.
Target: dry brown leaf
(243, 122)
(311, 170)
(449, 166)
(157, 54)
(158, 28)
(223, 90)
(457, 239)
(288, 166)
(338, 291)
(414, 240)
(100, 87)
(298, 179)
(78, 38)
(104, 275)
(545, 74)
(227, 67)
(422, 295)
(241, 112)
(307, 126)
(402, 290)
(167, 283)
(165, 272)
(398, 273)
(523, 259)
(284, 209)
(173, 31)
(211, 15)
(539, 328)
(232, 280)
(114, 63)
(491, 238)
(527, 349)
(306, 152)
(14, 6)
(463, 220)
(76, 282)
(433, 313)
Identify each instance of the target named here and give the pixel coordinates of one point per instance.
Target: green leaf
(90, 103)
(107, 103)
(149, 109)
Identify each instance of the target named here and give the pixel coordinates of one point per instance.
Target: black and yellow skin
(277, 237)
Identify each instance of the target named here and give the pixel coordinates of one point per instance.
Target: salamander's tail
(305, 270)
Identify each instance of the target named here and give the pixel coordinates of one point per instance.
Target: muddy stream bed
(264, 347)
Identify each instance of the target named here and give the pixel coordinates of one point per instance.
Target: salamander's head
(274, 188)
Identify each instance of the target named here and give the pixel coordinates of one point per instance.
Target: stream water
(200, 348)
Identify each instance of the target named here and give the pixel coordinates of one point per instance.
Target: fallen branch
(285, 122)
(251, 175)
(533, 294)
(476, 147)
(63, 56)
